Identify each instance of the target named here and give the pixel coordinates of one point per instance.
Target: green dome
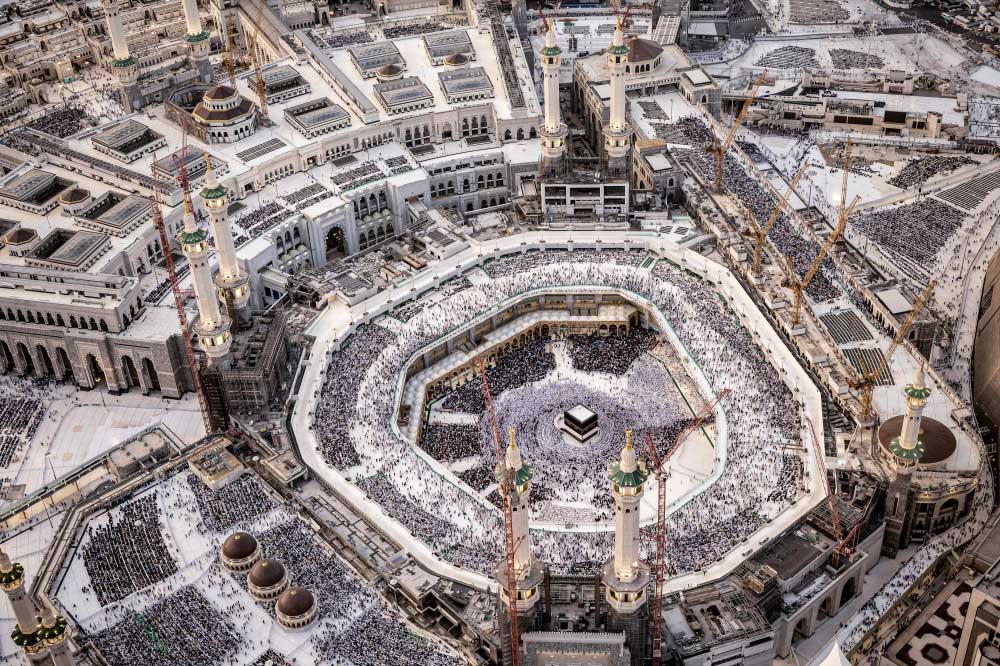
(913, 455)
(55, 632)
(918, 392)
(632, 479)
(618, 50)
(127, 62)
(9, 578)
(192, 237)
(25, 640)
(200, 37)
(521, 476)
(218, 192)
(550, 51)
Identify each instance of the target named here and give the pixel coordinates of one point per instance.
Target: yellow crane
(799, 286)
(866, 382)
(255, 57)
(720, 149)
(760, 233)
(843, 184)
(227, 57)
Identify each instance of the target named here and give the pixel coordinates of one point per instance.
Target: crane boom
(255, 57)
(659, 467)
(843, 185)
(179, 304)
(720, 149)
(866, 384)
(508, 524)
(821, 461)
(761, 236)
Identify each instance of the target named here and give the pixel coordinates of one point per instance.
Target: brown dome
(266, 573)
(20, 236)
(390, 70)
(239, 546)
(938, 440)
(76, 195)
(640, 49)
(295, 602)
(456, 59)
(219, 93)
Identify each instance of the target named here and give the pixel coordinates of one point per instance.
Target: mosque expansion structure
(491, 333)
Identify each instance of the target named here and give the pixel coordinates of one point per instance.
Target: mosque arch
(96, 371)
(45, 362)
(849, 591)
(6, 357)
(27, 365)
(152, 378)
(129, 372)
(67, 367)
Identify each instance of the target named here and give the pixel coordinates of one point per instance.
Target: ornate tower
(26, 634)
(232, 284)
(906, 451)
(617, 135)
(626, 576)
(197, 40)
(528, 571)
(212, 327)
(124, 67)
(553, 131)
(55, 636)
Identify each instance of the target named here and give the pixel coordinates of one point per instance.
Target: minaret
(26, 633)
(124, 66)
(553, 131)
(212, 327)
(55, 636)
(906, 452)
(197, 40)
(232, 284)
(527, 570)
(626, 576)
(617, 135)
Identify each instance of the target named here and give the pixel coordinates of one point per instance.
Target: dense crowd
(378, 639)
(847, 59)
(919, 171)
(912, 234)
(407, 310)
(60, 122)
(404, 30)
(515, 367)
(353, 419)
(128, 553)
(23, 404)
(181, 630)
(610, 354)
(262, 218)
(243, 499)
(786, 237)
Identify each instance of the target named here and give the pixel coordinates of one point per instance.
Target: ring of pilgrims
(637, 344)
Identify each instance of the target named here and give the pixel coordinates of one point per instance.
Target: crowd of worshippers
(611, 354)
(919, 171)
(24, 402)
(264, 217)
(786, 238)
(183, 629)
(243, 499)
(515, 367)
(60, 122)
(128, 553)
(354, 413)
(378, 638)
(912, 234)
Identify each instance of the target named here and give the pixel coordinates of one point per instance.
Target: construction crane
(621, 16)
(659, 466)
(227, 58)
(830, 503)
(865, 384)
(508, 525)
(799, 286)
(760, 233)
(719, 149)
(843, 184)
(179, 303)
(546, 26)
(255, 57)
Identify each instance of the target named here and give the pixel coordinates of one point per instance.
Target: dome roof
(239, 546)
(640, 49)
(266, 573)
(219, 93)
(295, 602)
(937, 439)
(75, 195)
(390, 70)
(456, 59)
(20, 236)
